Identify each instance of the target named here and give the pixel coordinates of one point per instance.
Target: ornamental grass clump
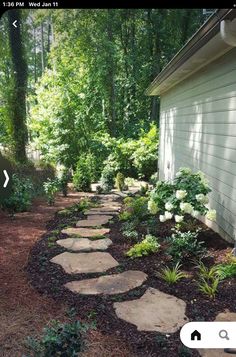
(186, 194)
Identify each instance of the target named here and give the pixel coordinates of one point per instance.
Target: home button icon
(195, 335)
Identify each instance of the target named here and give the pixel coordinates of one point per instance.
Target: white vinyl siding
(198, 130)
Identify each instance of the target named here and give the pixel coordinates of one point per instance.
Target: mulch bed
(49, 278)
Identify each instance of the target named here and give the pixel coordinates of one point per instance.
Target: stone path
(84, 245)
(154, 311)
(110, 284)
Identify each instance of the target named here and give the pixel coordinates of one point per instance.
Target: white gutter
(228, 32)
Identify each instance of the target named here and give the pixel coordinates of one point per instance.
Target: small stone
(84, 244)
(75, 263)
(85, 232)
(98, 212)
(108, 284)
(154, 311)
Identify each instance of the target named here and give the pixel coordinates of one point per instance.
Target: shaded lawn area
(23, 311)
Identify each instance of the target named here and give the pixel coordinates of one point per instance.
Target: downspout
(228, 32)
(228, 35)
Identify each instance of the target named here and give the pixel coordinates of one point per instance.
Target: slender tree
(18, 102)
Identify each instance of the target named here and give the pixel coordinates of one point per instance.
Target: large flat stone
(223, 316)
(84, 244)
(98, 212)
(75, 263)
(104, 217)
(103, 209)
(110, 284)
(154, 311)
(94, 222)
(85, 232)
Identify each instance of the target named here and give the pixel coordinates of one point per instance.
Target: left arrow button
(15, 23)
(7, 178)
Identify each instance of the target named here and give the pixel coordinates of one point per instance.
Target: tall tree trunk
(18, 105)
(111, 77)
(42, 47)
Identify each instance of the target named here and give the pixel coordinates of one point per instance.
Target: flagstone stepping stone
(84, 244)
(106, 218)
(76, 263)
(104, 209)
(223, 316)
(98, 212)
(108, 284)
(85, 232)
(95, 222)
(154, 311)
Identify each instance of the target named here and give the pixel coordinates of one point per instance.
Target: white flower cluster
(186, 207)
(202, 198)
(180, 194)
(211, 215)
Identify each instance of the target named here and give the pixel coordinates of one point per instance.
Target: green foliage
(184, 245)
(147, 246)
(107, 178)
(208, 279)
(225, 271)
(120, 181)
(59, 340)
(51, 187)
(135, 209)
(63, 182)
(82, 177)
(209, 287)
(187, 194)
(99, 189)
(172, 275)
(21, 196)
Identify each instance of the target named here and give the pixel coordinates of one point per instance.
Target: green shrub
(120, 181)
(187, 194)
(99, 190)
(135, 209)
(63, 182)
(59, 339)
(51, 187)
(147, 246)
(172, 275)
(184, 245)
(107, 179)
(82, 177)
(21, 196)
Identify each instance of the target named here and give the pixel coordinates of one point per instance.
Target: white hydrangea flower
(211, 215)
(185, 170)
(178, 218)
(152, 207)
(168, 206)
(162, 218)
(186, 207)
(168, 215)
(180, 194)
(178, 174)
(202, 198)
(204, 181)
(195, 213)
(158, 183)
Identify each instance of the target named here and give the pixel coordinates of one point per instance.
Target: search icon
(224, 334)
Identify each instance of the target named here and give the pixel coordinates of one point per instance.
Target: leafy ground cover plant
(186, 194)
(172, 275)
(51, 187)
(208, 280)
(225, 271)
(147, 246)
(21, 197)
(184, 245)
(59, 339)
(135, 209)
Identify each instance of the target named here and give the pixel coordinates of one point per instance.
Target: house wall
(198, 130)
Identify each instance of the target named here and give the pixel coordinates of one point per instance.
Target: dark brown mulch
(49, 279)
